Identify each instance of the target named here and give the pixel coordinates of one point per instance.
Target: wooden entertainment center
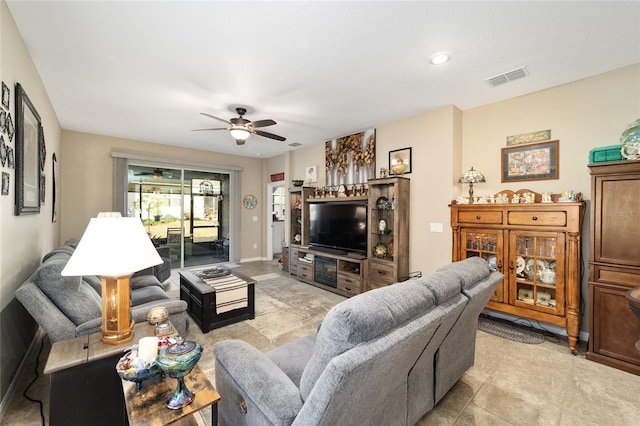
(386, 259)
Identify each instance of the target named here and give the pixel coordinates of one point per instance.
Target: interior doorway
(276, 208)
(185, 210)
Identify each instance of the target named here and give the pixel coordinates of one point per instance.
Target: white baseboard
(4, 405)
(583, 335)
(253, 259)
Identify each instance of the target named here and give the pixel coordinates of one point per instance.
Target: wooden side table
(148, 406)
(83, 374)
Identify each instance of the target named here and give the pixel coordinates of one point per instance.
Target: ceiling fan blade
(215, 118)
(215, 128)
(269, 135)
(263, 123)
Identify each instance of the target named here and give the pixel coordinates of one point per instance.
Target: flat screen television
(338, 227)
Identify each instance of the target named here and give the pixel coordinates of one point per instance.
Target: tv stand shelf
(341, 274)
(383, 260)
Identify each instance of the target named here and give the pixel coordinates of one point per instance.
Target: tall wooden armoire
(614, 265)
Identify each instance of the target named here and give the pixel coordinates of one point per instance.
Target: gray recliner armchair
(384, 357)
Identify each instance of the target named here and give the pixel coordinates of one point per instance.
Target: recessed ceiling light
(440, 58)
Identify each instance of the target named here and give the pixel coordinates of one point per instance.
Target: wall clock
(250, 201)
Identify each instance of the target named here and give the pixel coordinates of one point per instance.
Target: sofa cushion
(363, 318)
(94, 282)
(442, 284)
(147, 294)
(470, 271)
(76, 299)
(58, 253)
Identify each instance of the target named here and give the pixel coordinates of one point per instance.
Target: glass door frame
(120, 190)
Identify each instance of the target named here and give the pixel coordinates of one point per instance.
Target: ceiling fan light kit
(239, 133)
(240, 128)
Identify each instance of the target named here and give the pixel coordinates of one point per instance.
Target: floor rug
(510, 331)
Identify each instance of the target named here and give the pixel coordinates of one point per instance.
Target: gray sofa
(383, 357)
(162, 271)
(66, 307)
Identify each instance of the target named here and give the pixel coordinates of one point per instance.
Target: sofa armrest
(89, 327)
(55, 323)
(244, 373)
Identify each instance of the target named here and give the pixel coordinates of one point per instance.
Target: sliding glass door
(185, 210)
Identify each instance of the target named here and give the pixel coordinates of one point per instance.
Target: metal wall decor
(250, 201)
(5, 183)
(3, 152)
(28, 143)
(351, 159)
(6, 95)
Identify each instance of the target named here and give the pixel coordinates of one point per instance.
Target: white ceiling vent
(294, 144)
(507, 77)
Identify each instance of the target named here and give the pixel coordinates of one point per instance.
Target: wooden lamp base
(117, 326)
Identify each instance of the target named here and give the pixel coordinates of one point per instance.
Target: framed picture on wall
(536, 161)
(400, 161)
(28, 137)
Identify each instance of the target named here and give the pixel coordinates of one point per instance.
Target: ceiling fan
(156, 173)
(241, 128)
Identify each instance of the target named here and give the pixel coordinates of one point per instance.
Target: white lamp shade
(112, 246)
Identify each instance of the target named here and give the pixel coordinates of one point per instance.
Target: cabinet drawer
(480, 216)
(348, 284)
(381, 273)
(626, 277)
(558, 218)
(373, 284)
(305, 271)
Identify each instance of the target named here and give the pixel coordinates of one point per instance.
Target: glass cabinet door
(488, 245)
(536, 270)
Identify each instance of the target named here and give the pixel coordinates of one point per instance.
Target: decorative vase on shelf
(630, 140)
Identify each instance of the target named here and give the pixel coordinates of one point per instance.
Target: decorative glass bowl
(177, 361)
(134, 369)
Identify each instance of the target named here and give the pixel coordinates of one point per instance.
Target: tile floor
(510, 383)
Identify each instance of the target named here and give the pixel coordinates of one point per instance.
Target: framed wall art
(28, 137)
(400, 161)
(536, 161)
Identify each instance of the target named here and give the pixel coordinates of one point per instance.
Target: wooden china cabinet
(614, 265)
(536, 246)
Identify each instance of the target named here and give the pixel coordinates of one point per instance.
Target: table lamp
(471, 176)
(114, 247)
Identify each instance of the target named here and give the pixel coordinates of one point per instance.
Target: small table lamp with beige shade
(114, 247)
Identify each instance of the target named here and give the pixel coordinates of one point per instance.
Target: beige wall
(23, 239)
(582, 115)
(87, 180)
(26, 238)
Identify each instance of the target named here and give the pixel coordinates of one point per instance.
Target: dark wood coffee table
(201, 301)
